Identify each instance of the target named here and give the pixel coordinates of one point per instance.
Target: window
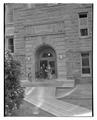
(9, 13)
(47, 54)
(83, 24)
(84, 32)
(83, 15)
(85, 63)
(11, 44)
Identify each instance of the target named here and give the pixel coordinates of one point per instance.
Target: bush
(14, 93)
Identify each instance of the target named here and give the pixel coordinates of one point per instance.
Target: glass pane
(85, 54)
(85, 61)
(43, 64)
(10, 41)
(43, 68)
(11, 44)
(52, 64)
(82, 15)
(86, 70)
(53, 71)
(84, 32)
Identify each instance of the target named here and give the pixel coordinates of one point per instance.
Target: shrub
(13, 92)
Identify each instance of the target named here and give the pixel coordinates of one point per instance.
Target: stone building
(59, 35)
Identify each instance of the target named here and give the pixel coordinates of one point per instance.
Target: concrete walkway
(52, 105)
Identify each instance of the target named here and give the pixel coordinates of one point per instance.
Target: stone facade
(55, 25)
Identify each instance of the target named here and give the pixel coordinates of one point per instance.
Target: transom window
(85, 63)
(47, 54)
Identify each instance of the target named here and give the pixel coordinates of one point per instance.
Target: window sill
(12, 53)
(85, 75)
(82, 37)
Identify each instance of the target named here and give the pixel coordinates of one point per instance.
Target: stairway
(40, 97)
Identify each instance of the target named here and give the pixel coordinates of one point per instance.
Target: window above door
(47, 54)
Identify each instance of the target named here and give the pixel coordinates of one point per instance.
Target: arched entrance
(45, 56)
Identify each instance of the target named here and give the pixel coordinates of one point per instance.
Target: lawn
(27, 109)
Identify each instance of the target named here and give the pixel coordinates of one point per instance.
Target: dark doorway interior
(45, 56)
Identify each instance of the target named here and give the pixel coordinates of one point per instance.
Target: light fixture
(48, 54)
(61, 56)
(28, 58)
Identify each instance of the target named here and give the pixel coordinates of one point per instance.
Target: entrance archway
(45, 56)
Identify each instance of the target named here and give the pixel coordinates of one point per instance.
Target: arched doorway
(45, 56)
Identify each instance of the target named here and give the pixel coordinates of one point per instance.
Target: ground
(82, 96)
(27, 109)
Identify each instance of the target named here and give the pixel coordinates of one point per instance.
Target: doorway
(45, 56)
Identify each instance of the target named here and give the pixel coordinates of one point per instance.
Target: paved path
(52, 105)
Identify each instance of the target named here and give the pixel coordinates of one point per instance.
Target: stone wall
(57, 26)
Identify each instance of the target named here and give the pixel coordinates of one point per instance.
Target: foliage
(14, 93)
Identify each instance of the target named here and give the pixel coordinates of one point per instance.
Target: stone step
(48, 83)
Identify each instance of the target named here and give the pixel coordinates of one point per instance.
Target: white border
(2, 60)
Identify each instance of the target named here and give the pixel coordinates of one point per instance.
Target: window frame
(9, 37)
(83, 26)
(87, 74)
(83, 13)
(84, 35)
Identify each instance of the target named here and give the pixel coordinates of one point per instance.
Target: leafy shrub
(13, 92)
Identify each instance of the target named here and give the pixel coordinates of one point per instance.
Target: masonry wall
(57, 26)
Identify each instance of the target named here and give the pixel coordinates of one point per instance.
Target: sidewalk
(77, 103)
(59, 107)
(82, 96)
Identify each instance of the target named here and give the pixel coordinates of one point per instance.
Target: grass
(27, 109)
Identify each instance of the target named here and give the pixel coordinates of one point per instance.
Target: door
(43, 67)
(52, 65)
(45, 56)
